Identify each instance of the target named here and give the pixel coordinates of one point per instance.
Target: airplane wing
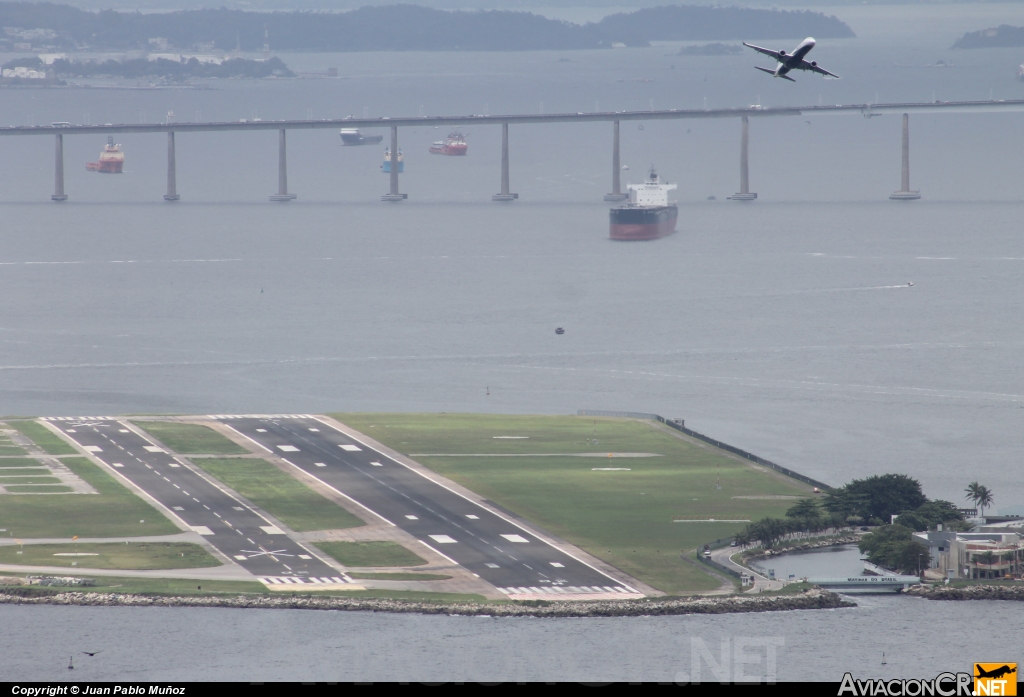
(805, 65)
(765, 51)
(772, 73)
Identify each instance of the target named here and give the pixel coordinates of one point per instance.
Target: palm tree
(980, 495)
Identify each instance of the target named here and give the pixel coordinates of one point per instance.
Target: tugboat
(454, 145)
(352, 136)
(559, 331)
(386, 165)
(648, 215)
(111, 159)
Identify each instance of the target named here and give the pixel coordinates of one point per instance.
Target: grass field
(190, 438)
(280, 495)
(115, 511)
(22, 478)
(398, 576)
(623, 517)
(43, 437)
(134, 555)
(19, 462)
(370, 554)
(188, 587)
(37, 489)
(153, 586)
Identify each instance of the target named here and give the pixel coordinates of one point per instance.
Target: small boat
(111, 159)
(559, 331)
(386, 165)
(352, 136)
(455, 144)
(910, 283)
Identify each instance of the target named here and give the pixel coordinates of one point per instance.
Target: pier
(744, 115)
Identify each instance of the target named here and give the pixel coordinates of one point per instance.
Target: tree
(894, 547)
(805, 514)
(930, 514)
(980, 495)
(880, 496)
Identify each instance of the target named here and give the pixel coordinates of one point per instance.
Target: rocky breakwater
(813, 599)
(979, 592)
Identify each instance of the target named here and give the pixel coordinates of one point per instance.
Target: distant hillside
(47, 26)
(1003, 36)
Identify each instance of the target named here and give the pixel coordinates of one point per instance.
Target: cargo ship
(455, 144)
(352, 136)
(111, 159)
(385, 166)
(648, 215)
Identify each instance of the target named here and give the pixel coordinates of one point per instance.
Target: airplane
(791, 61)
(996, 673)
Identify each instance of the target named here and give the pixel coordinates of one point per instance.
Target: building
(994, 551)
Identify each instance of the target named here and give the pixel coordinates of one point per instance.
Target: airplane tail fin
(786, 77)
(764, 70)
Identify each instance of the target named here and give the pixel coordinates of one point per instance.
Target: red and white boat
(111, 159)
(455, 144)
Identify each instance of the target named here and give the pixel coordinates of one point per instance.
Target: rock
(813, 599)
(976, 592)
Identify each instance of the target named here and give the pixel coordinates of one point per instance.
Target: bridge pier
(282, 171)
(616, 194)
(58, 171)
(504, 195)
(172, 179)
(393, 194)
(744, 193)
(905, 194)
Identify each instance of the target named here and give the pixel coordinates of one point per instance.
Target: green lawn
(19, 462)
(134, 555)
(153, 586)
(398, 576)
(115, 511)
(370, 554)
(37, 489)
(623, 517)
(281, 495)
(190, 438)
(43, 437)
(189, 587)
(35, 479)
(8, 448)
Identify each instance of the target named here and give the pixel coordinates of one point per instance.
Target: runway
(202, 504)
(489, 545)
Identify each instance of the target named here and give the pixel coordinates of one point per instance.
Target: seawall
(813, 599)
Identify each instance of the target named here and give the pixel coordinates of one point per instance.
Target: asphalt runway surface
(489, 545)
(201, 503)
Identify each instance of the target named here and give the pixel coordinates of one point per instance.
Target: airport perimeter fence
(678, 425)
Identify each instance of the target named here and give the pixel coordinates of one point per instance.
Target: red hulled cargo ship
(111, 159)
(455, 144)
(649, 215)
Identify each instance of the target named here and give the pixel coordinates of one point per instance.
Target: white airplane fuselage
(793, 60)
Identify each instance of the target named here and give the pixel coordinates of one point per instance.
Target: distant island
(1003, 36)
(716, 49)
(179, 70)
(50, 27)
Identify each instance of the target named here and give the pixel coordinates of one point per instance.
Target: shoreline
(807, 546)
(980, 592)
(813, 599)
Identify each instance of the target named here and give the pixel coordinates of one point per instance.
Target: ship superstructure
(386, 164)
(649, 214)
(455, 144)
(111, 159)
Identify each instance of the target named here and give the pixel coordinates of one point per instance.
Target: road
(201, 504)
(486, 543)
(761, 583)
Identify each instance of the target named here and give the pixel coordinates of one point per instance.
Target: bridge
(867, 584)
(60, 130)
